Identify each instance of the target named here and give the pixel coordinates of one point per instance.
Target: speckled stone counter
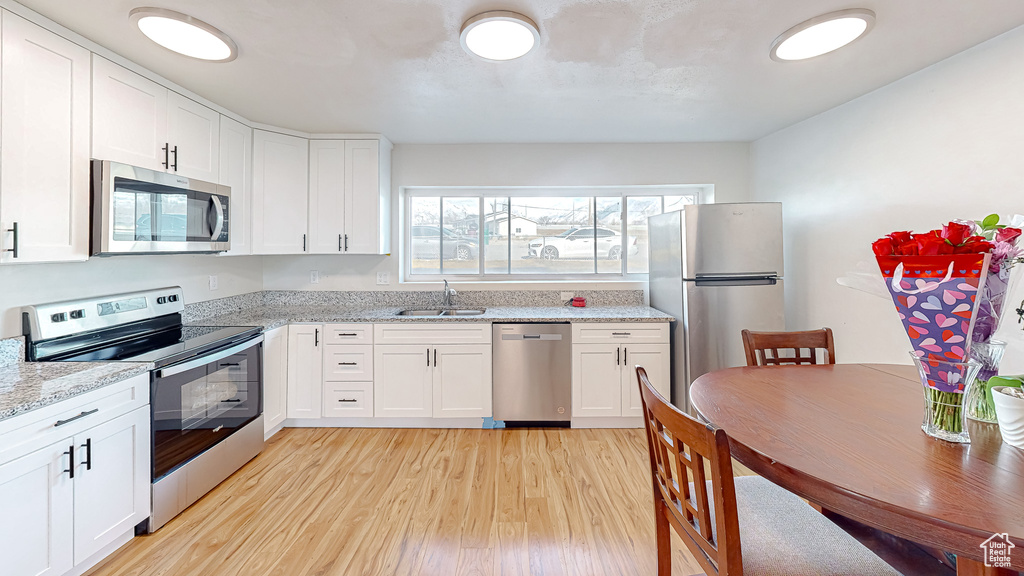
(270, 317)
(25, 386)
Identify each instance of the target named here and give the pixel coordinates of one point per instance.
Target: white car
(579, 243)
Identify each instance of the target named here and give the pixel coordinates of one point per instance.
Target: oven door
(198, 403)
(139, 210)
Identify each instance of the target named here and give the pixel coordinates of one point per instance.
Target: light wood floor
(340, 502)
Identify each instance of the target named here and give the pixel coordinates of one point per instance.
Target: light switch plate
(213, 282)
(383, 278)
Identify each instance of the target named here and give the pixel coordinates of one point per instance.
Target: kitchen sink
(438, 312)
(420, 313)
(464, 312)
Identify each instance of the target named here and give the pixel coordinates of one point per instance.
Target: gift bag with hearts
(937, 300)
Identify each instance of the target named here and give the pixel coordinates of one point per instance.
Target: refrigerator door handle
(747, 281)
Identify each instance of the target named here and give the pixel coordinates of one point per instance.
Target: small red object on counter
(579, 302)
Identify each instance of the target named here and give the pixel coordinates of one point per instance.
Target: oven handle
(207, 358)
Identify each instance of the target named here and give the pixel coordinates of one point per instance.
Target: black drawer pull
(620, 333)
(73, 418)
(347, 400)
(347, 334)
(347, 364)
(231, 400)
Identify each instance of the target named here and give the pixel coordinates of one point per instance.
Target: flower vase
(946, 385)
(980, 405)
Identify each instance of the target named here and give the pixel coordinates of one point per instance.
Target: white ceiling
(605, 71)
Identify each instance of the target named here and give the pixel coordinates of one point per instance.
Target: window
(528, 233)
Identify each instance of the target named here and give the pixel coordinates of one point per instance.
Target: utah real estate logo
(997, 550)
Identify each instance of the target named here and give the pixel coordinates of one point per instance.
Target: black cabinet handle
(303, 242)
(620, 333)
(347, 334)
(73, 418)
(347, 400)
(339, 242)
(346, 242)
(435, 357)
(347, 364)
(617, 350)
(232, 400)
(316, 337)
(71, 456)
(625, 357)
(175, 165)
(88, 453)
(167, 159)
(428, 356)
(14, 249)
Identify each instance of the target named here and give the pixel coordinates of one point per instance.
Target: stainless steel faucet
(448, 297)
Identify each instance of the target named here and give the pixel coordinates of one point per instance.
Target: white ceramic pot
(1010, 414)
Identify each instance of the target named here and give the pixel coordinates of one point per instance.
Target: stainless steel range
(205, 389)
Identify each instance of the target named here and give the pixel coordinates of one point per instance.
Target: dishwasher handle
(531, 336)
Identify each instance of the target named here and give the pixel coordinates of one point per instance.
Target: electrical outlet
(383, 278)
(314, 276)
(566, 296)
(213, 282)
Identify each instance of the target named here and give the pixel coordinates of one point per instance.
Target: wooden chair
(735, 526)
(763, 347)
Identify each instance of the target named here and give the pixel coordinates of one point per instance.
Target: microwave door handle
(218, 223)
(207, 359)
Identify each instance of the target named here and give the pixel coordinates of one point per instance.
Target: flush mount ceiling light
(499, 35)
(822, 35)
(184, 34)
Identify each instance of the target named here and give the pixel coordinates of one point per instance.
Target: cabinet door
(112, 481)
(280, 193)
(193, 131)
(462, 381)
(363, 197)
(305, 371)
(129, 116)
(44, 139)
(327, 197)
(236, 173)
(596, 380)
(275, 377)
(402, 381)
(37, 523)
(655, 360)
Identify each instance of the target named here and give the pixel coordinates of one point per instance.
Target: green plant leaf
(990, 221)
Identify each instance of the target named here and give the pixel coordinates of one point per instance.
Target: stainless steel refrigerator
(716, 268)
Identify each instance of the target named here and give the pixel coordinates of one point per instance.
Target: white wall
(724, 165)
(946, 142)
(40, 283)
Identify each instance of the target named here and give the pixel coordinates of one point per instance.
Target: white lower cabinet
(275, 378)
(403, 381)
(604, 382)
(305, 371)
(74, 480)
(462, 381)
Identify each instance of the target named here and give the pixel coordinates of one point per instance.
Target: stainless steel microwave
(141, 211)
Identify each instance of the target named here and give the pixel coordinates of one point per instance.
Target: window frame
(701, 193)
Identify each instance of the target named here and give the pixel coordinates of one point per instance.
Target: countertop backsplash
(392, 298)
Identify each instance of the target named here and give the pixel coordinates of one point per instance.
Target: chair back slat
(682, 451)
(777, 348)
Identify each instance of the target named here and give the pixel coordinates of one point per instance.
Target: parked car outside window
(427, 243)
(579, 243)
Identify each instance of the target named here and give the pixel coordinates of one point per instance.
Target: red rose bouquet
(949, 286)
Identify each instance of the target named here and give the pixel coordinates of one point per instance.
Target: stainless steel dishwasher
(532, 372)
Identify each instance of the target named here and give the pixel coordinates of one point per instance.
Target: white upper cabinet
(367, 196)
(349, 196)
(327, 198)
(44, 145)
(280, 193)
(193, 131)
(139, 122)
(236, 172)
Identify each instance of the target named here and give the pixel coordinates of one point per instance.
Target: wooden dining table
(848, 438)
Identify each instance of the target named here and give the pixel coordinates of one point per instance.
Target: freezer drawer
(532, 372)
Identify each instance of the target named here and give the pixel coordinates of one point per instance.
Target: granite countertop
(25, 386)
(270, 317)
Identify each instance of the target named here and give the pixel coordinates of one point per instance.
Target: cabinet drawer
(640, 332)
(430, 334)
(348, 334)
(348, 399)
(348, 363)
(28, 432)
